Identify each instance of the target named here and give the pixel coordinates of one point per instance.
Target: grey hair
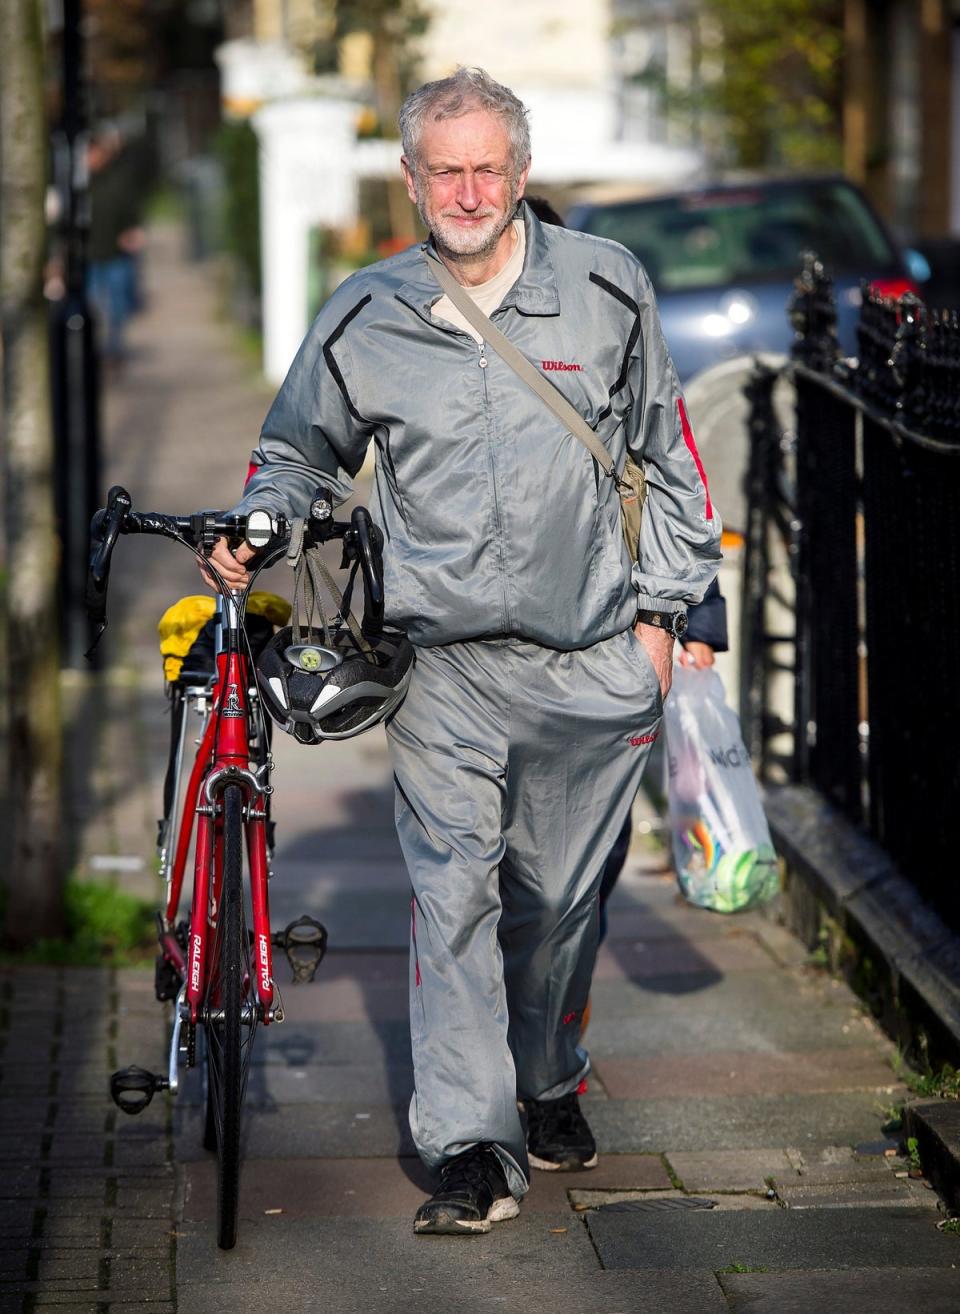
(465, 90)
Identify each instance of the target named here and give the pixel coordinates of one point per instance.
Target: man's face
(465, 184)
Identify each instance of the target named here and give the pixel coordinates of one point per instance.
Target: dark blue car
(722, 260)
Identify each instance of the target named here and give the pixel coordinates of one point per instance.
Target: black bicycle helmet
(329, 687)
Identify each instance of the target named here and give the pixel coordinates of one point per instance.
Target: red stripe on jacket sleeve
(692, 449)
(252, 469)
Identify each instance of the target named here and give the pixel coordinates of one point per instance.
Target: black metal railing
(864, 498)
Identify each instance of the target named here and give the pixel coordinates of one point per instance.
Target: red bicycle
(217, 966)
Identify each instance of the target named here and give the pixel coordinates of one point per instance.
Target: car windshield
(711, 239)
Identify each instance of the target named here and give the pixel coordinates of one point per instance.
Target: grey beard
(489, 246)
(476, 253)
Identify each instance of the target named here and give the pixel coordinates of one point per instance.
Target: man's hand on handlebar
(231, 565)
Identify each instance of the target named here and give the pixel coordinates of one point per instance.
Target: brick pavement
(86, 1193)
(737, 1093)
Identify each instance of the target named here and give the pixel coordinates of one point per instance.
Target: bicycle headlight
(259, 529)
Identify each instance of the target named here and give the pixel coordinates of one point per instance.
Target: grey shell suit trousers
(515, 766)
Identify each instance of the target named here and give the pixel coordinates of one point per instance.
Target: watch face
(679, 625)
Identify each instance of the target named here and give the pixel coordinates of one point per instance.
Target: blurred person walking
(543, 652)
(116, 237)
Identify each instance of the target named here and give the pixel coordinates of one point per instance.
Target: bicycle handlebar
(362, 542)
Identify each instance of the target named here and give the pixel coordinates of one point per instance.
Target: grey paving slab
(735, 1072)
(730, 1170)
(853, 1290)
(514, 1292)
(338, 1044)
(322, 1131)
(785, 948)
(835, 1167)
(733, 1122)
(789, 1239)
(368, 1258)
(858, 1195)
(651, 905)
(845, 1181)
(736, 1011)
(680, 956)
(363, 1084)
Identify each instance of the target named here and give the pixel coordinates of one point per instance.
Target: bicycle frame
(223, 758)
(222, 981)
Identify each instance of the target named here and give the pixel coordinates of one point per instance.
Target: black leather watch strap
(674, 622)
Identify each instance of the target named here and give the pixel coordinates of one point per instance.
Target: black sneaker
(472, 1195)
(559, 1138)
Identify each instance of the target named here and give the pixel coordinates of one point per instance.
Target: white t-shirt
(487, 295)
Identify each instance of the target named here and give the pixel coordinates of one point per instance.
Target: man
(116, 238)
(533, 701)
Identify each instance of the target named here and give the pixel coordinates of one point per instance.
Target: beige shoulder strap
(531, 376)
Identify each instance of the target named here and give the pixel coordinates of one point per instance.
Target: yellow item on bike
(270, 606)
(180, 624)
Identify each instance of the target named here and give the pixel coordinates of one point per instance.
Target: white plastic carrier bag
(722, 851)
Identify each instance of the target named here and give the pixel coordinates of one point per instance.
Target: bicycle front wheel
(231, 1021)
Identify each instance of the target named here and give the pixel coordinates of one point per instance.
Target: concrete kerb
(895, 951)
(936, 1126)
(854, 884)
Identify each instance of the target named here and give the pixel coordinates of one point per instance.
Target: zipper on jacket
(505, 606)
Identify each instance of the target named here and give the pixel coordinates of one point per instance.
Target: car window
(710, 239)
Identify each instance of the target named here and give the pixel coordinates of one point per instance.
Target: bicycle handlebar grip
(106, 525)
(370, 544)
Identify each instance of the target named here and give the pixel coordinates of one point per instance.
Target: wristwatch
(674, 622)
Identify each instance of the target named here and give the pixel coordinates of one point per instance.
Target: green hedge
(236, 147)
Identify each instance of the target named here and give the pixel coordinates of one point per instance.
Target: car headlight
(716, 326)
(739, 310)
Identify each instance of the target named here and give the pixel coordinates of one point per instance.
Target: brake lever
(104, 529)
(369, 544)
(118, 504)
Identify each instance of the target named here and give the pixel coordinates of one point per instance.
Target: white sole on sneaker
(498, 1212)
(546, 1166)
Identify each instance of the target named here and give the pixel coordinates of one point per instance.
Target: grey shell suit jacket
(497, 521)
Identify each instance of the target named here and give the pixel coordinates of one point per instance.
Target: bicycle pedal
(132, 1089)
(304, 942)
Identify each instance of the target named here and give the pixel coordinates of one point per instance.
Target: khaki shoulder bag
(631, 484)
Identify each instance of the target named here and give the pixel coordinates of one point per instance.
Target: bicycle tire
(209, 1117)
(226, 1070)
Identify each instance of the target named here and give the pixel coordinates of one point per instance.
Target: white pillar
(307, 178)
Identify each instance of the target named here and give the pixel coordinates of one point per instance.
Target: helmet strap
(309, 574)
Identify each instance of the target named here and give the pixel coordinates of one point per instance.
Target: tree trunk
(389, 98)
(31, 867)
